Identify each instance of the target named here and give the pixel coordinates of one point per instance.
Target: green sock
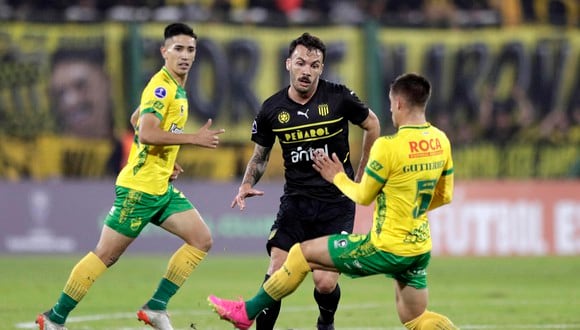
(258, 303)
(165, 291)
(63, 307)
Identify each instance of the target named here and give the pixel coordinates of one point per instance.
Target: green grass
(476, 293)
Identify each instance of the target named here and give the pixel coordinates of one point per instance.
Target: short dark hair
(175, 29)
(310, 42)
(415, 88)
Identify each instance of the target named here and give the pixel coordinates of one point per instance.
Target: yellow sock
(430, 321)
(83, 275)
(285, 280)
(182, 263)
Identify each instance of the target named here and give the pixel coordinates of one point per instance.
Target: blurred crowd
(514, 119)
(416, 13)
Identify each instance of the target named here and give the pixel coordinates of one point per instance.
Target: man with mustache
(309, 115)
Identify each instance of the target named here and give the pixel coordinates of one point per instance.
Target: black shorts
(301, 218)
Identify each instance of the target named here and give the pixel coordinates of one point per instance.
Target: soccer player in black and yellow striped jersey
(145, 193)
(407, 175)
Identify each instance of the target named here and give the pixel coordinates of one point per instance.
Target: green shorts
(133, 210)
(355, 256)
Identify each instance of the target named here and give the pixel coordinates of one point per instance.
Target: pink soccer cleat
(231, 311)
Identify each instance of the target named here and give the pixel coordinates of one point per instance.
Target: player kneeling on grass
(408, 174)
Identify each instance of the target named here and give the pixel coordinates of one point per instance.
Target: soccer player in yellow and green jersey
(149, 167)
(407, 175)
(145, 193)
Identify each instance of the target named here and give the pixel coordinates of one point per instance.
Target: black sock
(267, 318)
(327, 305)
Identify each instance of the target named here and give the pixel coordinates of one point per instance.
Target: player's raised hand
(327, 167)
(245, 191)
(207, 137)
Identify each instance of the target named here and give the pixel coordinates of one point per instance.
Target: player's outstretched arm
(151, 133)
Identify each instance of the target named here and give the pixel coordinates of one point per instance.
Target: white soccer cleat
(157, 319)
(44, 323)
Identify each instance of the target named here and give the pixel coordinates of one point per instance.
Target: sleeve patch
(160, 92)
(254, 127)
(375, 166)
(158, 105)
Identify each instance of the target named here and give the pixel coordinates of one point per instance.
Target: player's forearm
(256, 166)
(254, 171)
(160, 137)
(372, 131)
(355, 191)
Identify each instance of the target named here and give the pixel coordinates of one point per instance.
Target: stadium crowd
(416, 13)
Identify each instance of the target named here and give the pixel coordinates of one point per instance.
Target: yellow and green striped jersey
(149, 167)
(407, 174)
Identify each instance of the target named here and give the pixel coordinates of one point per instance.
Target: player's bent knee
(325, 282)
(204, 244)
(325, 286)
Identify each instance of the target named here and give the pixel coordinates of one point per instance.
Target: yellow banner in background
(532, 57)
(65, 97)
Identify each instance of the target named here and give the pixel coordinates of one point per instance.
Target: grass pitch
(476, 293)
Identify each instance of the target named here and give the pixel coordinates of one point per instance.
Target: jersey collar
(426, 125)
(170, 76)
